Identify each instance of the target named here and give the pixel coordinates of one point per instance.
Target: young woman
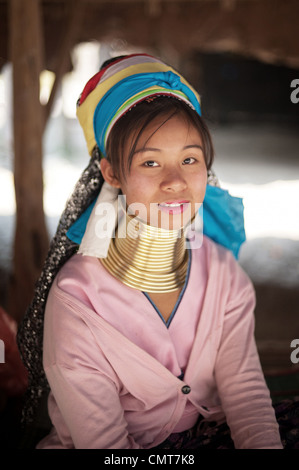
(149, 320)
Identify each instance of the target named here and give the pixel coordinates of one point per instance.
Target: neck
(147, 258)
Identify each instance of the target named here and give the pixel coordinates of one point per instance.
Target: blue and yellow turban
(121, 85)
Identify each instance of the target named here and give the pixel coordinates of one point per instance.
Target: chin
(177, 222)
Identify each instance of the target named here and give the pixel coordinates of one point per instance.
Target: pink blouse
(121, 377)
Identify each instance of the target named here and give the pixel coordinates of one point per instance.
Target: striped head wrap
(122, 84)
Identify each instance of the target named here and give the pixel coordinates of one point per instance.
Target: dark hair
(143, 114)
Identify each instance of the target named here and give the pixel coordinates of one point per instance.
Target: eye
(189, 161)
(150, 163)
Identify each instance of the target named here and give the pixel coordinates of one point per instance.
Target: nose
(173, 181)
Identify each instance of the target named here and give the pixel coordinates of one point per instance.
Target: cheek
(138, 189)
(199, 183)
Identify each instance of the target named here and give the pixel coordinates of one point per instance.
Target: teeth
(171, 205)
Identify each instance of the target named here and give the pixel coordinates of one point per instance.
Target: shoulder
(221, 265)
(77, 278)
(79, 269)
(203, 246)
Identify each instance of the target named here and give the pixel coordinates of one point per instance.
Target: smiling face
(167, 179)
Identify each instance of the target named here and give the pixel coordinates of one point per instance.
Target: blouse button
(186, 389)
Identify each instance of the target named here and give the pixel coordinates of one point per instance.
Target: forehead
(171, 128)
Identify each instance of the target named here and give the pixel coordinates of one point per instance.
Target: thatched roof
(263, 29)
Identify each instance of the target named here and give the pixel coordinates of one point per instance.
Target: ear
(108, 174)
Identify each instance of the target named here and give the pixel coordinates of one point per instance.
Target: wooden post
(31, 237)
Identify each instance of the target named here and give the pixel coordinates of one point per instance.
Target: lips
(173, 207)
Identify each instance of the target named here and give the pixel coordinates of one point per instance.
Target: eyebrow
(153, 149)
(146, 149)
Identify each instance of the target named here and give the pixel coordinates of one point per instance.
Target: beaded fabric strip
(30, 332)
